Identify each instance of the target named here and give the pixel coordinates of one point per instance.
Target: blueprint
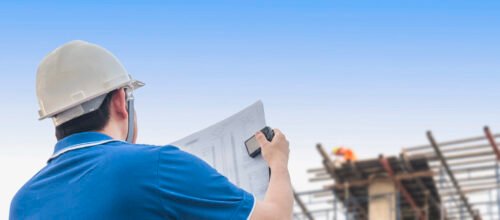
(222, 146)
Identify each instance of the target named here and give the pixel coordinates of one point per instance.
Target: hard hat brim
(133, 84)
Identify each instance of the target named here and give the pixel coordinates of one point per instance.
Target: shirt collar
(79, 139)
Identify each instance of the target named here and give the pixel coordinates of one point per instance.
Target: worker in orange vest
(344, 152)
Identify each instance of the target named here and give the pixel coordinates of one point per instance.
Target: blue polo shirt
(92, 176)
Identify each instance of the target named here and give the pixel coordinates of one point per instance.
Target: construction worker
(98, 172)
(345, 153)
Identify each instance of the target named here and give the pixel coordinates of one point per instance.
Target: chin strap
(131, 115)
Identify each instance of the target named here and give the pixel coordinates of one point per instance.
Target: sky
(370, 75)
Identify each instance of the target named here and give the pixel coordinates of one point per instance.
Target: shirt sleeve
(191, 189)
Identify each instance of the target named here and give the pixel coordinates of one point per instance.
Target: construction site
(442, 179)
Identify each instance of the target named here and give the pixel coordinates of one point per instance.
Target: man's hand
(275, 152)
(278, 202)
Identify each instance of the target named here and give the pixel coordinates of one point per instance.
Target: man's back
(92, 176)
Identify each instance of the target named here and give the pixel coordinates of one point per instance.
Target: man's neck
(113, 132)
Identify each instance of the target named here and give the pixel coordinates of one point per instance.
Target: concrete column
(382, 200)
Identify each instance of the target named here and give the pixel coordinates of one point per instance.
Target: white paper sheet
(222, 146)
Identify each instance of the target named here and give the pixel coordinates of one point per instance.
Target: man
(98, 172)
(346, 153)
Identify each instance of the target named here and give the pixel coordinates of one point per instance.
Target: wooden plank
(366, 182)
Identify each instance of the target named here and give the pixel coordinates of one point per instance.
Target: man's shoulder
(151, 160)
(126, 148)
(166, 154)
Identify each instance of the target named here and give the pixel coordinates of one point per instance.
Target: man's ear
(118, 105)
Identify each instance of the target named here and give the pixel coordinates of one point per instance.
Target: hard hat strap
(131, 115)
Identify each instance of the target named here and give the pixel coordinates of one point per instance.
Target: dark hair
(91, 121)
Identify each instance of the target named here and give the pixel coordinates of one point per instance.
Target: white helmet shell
(73, 80)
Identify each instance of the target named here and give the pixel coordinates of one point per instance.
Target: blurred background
(370, 75)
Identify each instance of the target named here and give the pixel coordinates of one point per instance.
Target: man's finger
(261, 139)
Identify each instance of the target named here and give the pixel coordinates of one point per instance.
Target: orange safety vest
(348, 154)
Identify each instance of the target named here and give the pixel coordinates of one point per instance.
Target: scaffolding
(456, 179)
(349, 195)
(468, 174)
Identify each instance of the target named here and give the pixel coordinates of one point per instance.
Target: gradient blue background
(372, 75)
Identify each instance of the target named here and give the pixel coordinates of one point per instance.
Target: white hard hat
(74, 79)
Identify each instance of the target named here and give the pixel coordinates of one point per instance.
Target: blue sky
(371, 75)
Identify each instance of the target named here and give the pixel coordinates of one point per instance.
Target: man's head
(111, 118)
(83, 87)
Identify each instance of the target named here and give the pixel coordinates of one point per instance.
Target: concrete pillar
(382, 199)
